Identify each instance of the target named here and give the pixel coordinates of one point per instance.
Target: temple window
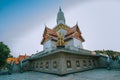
(54, 64)
(46, 65)
(77, 63)
(94, 62)
(84, 63)
(89, 63)
(41, 65)
(69, 64)
(36, 65)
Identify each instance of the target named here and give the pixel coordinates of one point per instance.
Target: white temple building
(63, 51)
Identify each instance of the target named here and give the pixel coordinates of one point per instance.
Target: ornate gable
(61, 26)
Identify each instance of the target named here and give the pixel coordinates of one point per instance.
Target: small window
(36, 65)
(94, 62)
(54, 64)
(46, 65)
(84, 63)
(77, 63)
(41, 65)
(89, 62)
(68, 64)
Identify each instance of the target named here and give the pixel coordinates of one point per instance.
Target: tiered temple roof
(71, 32)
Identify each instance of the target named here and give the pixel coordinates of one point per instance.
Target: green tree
(4, 53)
(112, 54)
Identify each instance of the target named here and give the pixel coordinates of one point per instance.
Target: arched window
(36, 65)
(77, 63)
(90, 63)
(47, 65)
(68, 64)
(54, 64)
(84, 63)
(41, 65)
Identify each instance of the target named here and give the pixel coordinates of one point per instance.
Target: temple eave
(82, 52)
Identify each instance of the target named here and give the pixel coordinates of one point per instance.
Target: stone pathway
(96, 74)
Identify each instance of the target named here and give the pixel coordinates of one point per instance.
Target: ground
(96, 74)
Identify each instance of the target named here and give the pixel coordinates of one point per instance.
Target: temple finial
(45, 25)
(77, 23)
(60, 8)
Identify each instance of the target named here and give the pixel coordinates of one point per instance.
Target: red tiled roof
(74, 32)
(18, 59)
(48, 33)
(73, 29)
(22, 57)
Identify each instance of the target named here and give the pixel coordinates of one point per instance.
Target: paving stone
(96, 74)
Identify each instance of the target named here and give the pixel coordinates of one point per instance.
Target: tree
(4, 53)
(112, 54)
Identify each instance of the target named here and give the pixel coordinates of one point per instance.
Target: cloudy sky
(22, 22)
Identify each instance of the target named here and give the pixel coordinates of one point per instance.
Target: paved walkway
(96, 74)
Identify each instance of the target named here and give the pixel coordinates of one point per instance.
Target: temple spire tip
(60, 8)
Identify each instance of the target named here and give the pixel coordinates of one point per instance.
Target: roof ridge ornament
(77, 23)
